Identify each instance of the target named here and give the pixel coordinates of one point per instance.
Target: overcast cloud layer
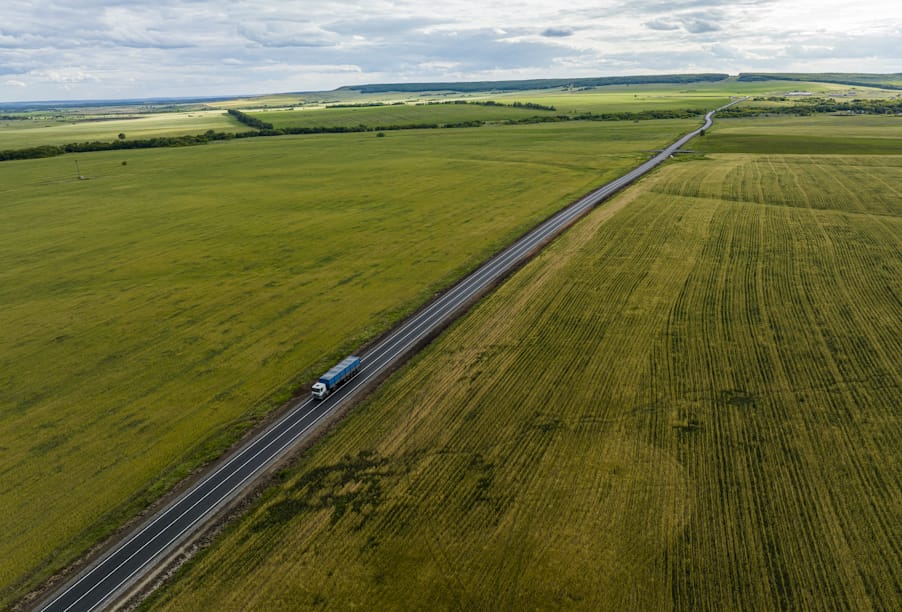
(93, 49)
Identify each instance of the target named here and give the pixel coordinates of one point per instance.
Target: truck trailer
(338, 375)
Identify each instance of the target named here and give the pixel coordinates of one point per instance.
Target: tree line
(250, 120)
(811, 106)
(97, 145)
(529, 105)
(363, 104)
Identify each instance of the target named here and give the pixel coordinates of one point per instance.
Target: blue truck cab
(339, 374)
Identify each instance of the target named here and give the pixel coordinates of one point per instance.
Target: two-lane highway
(107, 578)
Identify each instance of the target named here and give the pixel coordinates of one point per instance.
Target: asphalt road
(107, 578)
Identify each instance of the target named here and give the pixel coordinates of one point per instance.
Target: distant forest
(884, 81)
(483, 86)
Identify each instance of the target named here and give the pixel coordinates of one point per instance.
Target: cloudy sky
(90, 49)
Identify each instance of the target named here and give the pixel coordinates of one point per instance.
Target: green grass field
(151, 313)
(818, 135)
(690, 401)
(24, 134)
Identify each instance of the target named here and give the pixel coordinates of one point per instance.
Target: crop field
(156, 310)
(690, 401)
(23, 134)
(818, 135)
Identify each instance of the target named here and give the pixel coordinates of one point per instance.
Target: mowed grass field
(150, 314)
(690, 401)
(24, 134)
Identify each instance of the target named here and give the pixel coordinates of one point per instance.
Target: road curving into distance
(139, 552)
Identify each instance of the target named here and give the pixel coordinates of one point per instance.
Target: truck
(338, 375)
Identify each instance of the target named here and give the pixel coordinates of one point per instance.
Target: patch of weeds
(544, 424)
(688, 425)
(549, 426)
(354, 485)
(372, 543)
(737, 397)
(48, 445)
(484, 481)
(318, 600)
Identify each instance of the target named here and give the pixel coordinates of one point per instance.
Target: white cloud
(287, 34)
(65, 75)
(135, 48)
(439, 67)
